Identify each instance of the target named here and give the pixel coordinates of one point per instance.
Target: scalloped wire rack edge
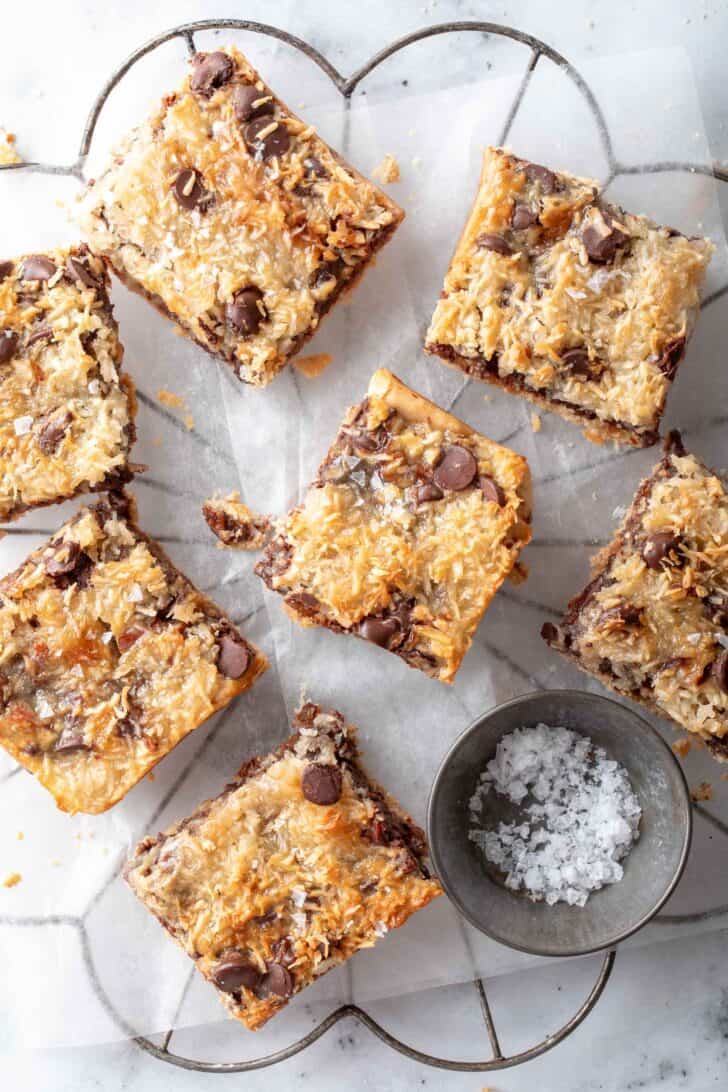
(346, 87)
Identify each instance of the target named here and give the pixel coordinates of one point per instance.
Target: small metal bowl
(651, 869)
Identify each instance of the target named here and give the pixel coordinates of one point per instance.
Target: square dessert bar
(301, 862)
(558, 295)
(408, 531)
(66, 411)
(653, 622)
(108, 658)
(232, 217)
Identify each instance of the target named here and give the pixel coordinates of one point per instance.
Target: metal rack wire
(346, 85)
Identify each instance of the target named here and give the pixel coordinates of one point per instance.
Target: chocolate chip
(720, 671)
(314, 167)
(249, 103)
(63, 559)
(456, 468)
(37, 268)
(52, 432)
(523, 217)
(212, 70)
(673, 444)
(428, 492)
(273, 143)
(8, 344)
(304, 603)
(321, 783)
(43, 333)
(79, 271)
(491, 490)
(379, 631)
(189, 190)
(129, 637)
(659, 547)
(246, 311)
(6, 269)
(233, 657)
(489, 241)
(577, 361)
(671, 356)
(278, 981)
(283, 951)
(234, 972)
(602, 238)
(545, 178)
(549, 632)
(70, 739)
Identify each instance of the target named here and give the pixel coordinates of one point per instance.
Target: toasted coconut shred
(577, 815)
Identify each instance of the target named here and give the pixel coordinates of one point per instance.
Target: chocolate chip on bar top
(108, 658)
(301, 862)
(66, 411)
(558, 295)
(653, 622)
(230, 215)
(408, 531)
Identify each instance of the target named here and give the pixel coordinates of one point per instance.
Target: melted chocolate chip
(212, 70)
(720, 670)
(277, 982)
(283, 951)
(234, 656)
(6, 269)
(43, 333)
(456, 468)
(37, 268)
(491, 490)
(273, 143)
(246, 311)
(249, 103)
(129, 637)
(577, 361)
(671, 356)
(489, 241)
(314, 167)
(661, 547)
(379, 631)
(79, 271)
(189, 190)
(523, 217)
(70, 739)
(545, 178)
(428, 492)
(673, 443)
(602, 238)
(8, 344)
(304, 603)
(52, 432)
(64, 558)
(549, 632)
(235, 972)
(321, 783)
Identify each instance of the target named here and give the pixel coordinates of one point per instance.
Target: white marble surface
(663, 1022)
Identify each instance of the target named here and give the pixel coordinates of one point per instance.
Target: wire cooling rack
(346, 85)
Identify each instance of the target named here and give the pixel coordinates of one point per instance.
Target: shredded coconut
(578, 816)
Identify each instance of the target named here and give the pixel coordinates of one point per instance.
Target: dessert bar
(408, 531)
(653, 622)
(108, 658)
(557, 294)
(301, 862)
(232, 217)
(66, 410)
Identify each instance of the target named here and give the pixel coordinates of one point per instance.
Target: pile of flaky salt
(578, 815)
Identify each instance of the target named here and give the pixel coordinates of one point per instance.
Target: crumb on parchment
(535, 422)
(12, 880)
(388, 170)
(682, 746)
(8, 151)
(703, 791)
(314, 365)
(235, 524)
(170, 399)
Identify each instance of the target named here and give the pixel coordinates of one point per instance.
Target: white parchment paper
(104, 966)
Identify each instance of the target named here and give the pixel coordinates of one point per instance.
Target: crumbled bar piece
(701, 793)
(653, 622)
(314, 365)
(408, 531)
(558, 295)
(66, 411)
(235, 524)
(301, 862)
(232, 217)
(108, 658)
(12, 880)
(387, 171)
(8, 151)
